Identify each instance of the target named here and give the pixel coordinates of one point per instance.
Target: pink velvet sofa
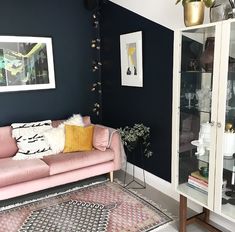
(19, 177)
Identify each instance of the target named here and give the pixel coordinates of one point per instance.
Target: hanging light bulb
(95, 43)
(96, 24)
(96, 65)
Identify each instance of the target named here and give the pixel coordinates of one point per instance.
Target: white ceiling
(163, 12)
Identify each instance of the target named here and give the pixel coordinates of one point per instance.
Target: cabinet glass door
(228, 181)
(196, 83)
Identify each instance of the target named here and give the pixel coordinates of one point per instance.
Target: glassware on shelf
(231, 193)
(204, 99)
(233, 87)
(189, 97)
(229, 94)
(229, 144)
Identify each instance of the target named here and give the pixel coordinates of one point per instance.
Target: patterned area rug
(99, 207)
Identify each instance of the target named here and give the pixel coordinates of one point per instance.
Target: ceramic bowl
(204, 171)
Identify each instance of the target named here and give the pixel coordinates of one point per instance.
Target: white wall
(163, 12)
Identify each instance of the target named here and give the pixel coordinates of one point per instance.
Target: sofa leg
(111, 176)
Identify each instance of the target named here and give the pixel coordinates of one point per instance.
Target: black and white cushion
(30, 139)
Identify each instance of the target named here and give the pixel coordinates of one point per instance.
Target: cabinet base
(201, 218)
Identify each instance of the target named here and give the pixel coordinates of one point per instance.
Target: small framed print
(131, 59)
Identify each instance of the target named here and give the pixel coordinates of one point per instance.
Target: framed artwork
(131, 59)
(26, 63)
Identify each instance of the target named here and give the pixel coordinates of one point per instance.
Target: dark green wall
(70, 26)
(151, 104)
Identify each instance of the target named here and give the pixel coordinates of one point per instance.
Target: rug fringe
(50, 195)
(162, 227)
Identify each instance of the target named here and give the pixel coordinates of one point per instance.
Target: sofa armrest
(116, 146)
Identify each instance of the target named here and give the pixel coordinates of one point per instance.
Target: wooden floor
(167, 203)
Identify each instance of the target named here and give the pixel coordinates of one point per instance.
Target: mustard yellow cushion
(78, 138)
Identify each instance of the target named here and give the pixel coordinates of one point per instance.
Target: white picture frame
(26, 63)
(131, 59)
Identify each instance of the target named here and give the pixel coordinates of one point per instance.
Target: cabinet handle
(212, 123)
(219, 124)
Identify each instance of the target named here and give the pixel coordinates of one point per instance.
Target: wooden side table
(201, 218)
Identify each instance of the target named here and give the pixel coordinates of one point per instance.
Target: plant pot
(220, 10)
(193, 13)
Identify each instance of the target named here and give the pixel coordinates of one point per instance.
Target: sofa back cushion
(78, 138)
(8, 145)
(86, 121)
(100, 137)
(30, 139)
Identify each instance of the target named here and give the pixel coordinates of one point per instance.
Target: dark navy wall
(69, 24)
(151, 104)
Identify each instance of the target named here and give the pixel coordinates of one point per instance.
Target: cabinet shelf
(227, 162)
(197, 72)
(193, 109)
(193, 193)
(203, 158)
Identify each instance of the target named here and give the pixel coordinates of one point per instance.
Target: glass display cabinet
(203, 119)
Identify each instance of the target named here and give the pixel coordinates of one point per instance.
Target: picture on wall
(131, 59)
(26, 63)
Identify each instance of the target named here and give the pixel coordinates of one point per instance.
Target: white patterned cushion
(30, 139)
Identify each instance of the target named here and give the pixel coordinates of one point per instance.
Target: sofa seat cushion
(64, 162)
(17, 171)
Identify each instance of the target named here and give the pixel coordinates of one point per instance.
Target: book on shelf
(198, 189)
(198, 181)
(197, 175)
(198, 185)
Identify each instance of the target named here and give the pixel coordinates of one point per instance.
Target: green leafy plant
(139, 133)
(208, 3)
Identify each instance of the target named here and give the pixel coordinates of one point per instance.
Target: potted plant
(131, 136)
(194, 11)
(208, 3)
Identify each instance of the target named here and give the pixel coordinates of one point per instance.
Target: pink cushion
(56, 123)
(17, 171)
(86, 120)
(64, 162)
(8, 146)
(100, 138)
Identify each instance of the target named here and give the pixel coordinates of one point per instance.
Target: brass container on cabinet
(194, 13)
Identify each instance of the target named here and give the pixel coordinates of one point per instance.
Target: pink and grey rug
(102, 207)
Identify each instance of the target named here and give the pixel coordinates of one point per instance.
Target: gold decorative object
(208, 3)
(228, 126)
(194, 13)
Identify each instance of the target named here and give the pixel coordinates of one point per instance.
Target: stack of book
(198, 182)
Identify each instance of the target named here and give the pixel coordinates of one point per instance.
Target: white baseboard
(167, 188)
